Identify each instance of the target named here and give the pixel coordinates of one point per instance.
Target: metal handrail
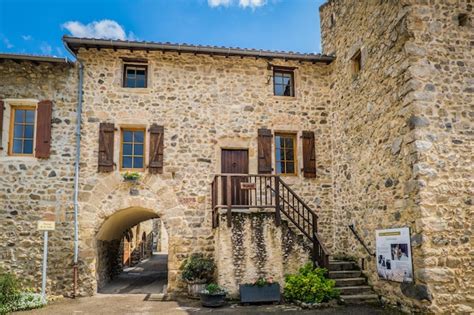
(352, 228)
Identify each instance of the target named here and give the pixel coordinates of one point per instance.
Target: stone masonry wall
(33, 189)
(401, 140)
(205, 103)
(254, 247)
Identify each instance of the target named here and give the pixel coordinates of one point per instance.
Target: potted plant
(197, 271)
(131, 176)
(262, 290)
(213, 296)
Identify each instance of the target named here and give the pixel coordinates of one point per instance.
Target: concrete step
(344, 274)
(335, 265)
(356, 290)
(361, 298)
(350, 282)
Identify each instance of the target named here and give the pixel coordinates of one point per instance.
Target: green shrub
(9, 288)
(198, 267)
(310, 285)
(213, 289)
(131, 176)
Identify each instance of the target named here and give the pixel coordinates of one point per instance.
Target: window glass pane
(141, 73)
(130, 73)
(290, 168)
(19, 115)
(130, 83)
(287, 91)
(138, 149)
(288, 143)
(30, 116)
(127, 136)
(18, 131)
(140, 83)
(28, 147)
(289, 156)
(28, 131)
(278, 79)
(126, 162)
(286, 80)
(279, 90)
(138, 136)
(279, 167)
(278, 140)
(280, 155)
(138, 162)
(17, 145)
(127, 149)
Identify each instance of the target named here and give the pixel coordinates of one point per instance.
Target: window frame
(282, 70)
(13, 110)
(121, 168)
(294, 137)
(136, 65)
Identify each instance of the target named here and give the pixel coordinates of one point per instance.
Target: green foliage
(214, 289)
(261, 282)
(198, 267)
(310, 285)
(9, 288)
(13, 299)
(344, 257)
(131, 176)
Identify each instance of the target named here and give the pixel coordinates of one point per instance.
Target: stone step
(349, 282)
(361, 298)
(335, 265)
(344, 274)
(355, 290)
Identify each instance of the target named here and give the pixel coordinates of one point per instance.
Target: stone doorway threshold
(150, 276)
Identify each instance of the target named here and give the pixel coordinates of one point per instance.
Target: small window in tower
(356, 63)
(463, 19)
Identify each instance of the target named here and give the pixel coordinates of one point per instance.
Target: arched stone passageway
(127, 257)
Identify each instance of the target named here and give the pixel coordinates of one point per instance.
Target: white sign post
(45, 226)
(393, 250)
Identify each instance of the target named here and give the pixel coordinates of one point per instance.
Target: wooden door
(235, 162)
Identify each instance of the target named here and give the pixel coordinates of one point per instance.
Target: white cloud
(26, 37)
(45, 48)
(107, 29)
(7, 43)
(242, 3)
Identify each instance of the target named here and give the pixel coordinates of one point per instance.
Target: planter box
(195, 288)
(255, 294)
(214, 300)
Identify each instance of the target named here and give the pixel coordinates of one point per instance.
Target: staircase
(242, 191)
(351, 283)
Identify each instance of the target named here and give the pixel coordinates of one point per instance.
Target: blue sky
(36, 26)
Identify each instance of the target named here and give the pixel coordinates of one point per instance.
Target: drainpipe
(76, 170)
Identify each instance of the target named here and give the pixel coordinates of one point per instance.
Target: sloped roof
(75, 43)
(34, 58)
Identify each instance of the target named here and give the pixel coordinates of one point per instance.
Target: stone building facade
(390, 105)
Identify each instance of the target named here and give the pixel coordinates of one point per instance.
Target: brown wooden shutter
(106, 147)
(1, 122)
(264, 151)
(156, 149)
(43, 129)
(309, 155)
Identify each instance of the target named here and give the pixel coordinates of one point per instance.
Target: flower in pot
(260, 291)
(213, 296)
(131, 176)
(197, 271)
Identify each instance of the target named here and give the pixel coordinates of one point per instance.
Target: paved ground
(149, 276)
(118, 304)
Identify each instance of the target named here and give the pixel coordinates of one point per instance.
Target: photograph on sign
(394, 260)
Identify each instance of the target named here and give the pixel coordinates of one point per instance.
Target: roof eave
(33, 58)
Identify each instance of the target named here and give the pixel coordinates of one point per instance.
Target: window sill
(284, 98)
(15, 158)
(135, 90)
